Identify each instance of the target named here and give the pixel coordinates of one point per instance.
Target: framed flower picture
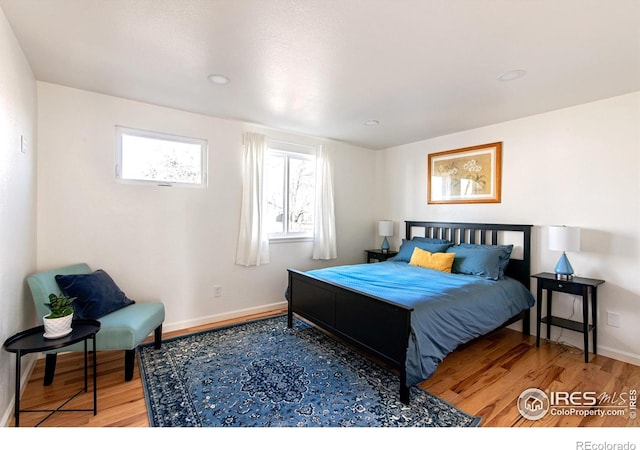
(465, 175)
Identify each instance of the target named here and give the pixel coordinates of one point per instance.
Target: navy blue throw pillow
(96, 294)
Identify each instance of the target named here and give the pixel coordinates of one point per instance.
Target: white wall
(172, 244)
(577, 166)
(17, 201)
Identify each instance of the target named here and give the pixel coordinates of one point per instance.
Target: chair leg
(158, 337)
(129, 359)
(49, 368)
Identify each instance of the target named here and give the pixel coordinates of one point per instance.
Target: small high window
(160, 159)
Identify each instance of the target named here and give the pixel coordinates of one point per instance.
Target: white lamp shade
(385, 228)
(564, 239)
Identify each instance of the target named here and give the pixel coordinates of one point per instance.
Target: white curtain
(253, 241)
(324, 235)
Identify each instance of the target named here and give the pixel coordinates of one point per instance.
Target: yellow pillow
(436, 261)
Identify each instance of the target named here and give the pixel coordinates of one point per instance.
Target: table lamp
(385, 228)
(564, 239)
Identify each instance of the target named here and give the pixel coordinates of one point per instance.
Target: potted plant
(58, 322)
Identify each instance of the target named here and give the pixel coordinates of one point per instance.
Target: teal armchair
(123, 329)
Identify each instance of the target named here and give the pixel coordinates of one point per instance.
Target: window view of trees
(157, 158)
(290, 193)
(274, 191)
(302, 183)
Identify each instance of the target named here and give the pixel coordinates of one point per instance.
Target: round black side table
(32, 341)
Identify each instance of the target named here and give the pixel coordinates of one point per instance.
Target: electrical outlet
(613, 319)
(217, 291)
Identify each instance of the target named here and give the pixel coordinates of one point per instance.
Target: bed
(409, 316)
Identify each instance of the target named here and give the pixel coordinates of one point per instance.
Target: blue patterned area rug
(263, 374)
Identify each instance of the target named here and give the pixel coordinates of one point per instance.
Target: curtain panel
(253, 241)
(324, 235)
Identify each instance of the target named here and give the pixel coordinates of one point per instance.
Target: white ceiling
(423, 68)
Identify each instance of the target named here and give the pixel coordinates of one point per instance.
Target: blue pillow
(431, 240)
(96, 294)
(480, 260)
(407, 247)
(504, 253)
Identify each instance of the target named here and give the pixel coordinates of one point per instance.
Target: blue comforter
(449, 309)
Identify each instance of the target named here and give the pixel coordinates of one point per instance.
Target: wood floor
(483, 378)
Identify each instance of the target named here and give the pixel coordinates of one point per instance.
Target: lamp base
(564, 277)
(385, 245)
(563, 269)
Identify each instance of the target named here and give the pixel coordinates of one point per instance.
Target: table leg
(538, 314)
(585, 322)
(549, 293)
(16, 413)
(95, 378)
(594, 318)
(85, 366)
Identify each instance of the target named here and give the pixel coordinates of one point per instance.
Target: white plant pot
(59, 327)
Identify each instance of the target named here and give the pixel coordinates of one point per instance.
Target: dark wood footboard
(375, 325)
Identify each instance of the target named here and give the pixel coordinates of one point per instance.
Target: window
(161, 159)
(290, 178)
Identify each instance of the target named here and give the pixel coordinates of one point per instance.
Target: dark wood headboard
(519, 266)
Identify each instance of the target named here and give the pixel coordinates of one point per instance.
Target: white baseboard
(29, 363)
(174, 326)
(630, 358)
(575, 339)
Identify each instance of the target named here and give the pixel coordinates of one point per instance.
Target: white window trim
(307, 152)
(120, 130)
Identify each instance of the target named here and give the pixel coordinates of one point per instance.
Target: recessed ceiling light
(512, 75)
(372, 123)
(218, 79)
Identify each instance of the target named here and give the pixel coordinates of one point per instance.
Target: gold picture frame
(465, 175)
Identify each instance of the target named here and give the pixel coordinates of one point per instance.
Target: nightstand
(377, 255)
(584, 287)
